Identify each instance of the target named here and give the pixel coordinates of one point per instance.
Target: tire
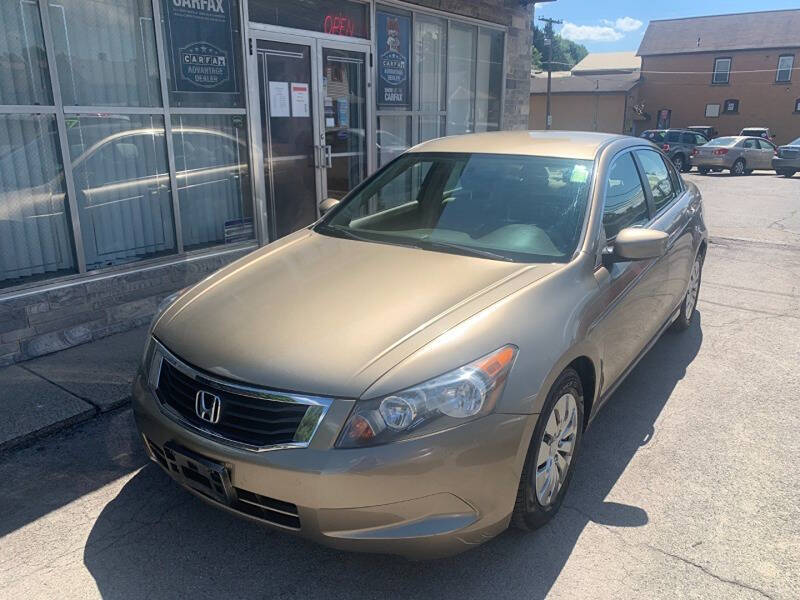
(531, 511)
(679, 161)
(689, 303)
(703, 170)
(738, 168)
(788, 173)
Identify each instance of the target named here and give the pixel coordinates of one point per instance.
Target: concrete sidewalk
(49, 393)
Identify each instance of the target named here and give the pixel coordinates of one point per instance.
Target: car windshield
(654, 136)
(754, 132)
(722, 141)
(502, 207)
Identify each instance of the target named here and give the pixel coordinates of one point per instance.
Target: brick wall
(42, 322)
(518, 48)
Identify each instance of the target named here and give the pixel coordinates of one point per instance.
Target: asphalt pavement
(687, 486)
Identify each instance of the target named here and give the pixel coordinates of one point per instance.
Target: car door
(752, 153)
(630, 311)
(672, 210)
(767, 152)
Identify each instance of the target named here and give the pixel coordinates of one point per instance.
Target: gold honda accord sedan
(414, 372)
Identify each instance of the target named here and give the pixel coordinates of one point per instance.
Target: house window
(731, 107)
(712, 110)
(722, 70)
(784, 72)
(797, 105)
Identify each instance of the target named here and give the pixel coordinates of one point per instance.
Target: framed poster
(201, 45)
(394, 59)
(664, 117)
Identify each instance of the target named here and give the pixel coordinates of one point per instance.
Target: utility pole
(549, 43)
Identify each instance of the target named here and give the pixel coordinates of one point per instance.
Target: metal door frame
(260, 149)
(369, 129)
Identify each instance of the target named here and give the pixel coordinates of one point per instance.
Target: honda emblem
(207, 406)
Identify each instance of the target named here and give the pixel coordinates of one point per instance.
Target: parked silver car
(786, 161)
(738, 154)
(415, 371)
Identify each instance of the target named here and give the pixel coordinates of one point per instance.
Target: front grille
(245, 419)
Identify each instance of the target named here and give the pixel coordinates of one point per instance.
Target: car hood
(328, 316)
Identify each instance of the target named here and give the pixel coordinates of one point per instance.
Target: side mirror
(327, 204)
(634, 243)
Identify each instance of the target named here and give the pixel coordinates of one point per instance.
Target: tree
(566, 53)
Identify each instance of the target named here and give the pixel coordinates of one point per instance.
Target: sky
(616, 25)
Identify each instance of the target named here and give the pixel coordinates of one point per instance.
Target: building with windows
(726, 71)
(146, 143)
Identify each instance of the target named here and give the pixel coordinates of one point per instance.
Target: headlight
(460, 395)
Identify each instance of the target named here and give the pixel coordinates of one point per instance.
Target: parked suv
(678, 144)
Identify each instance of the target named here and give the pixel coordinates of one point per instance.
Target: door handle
(328, 157)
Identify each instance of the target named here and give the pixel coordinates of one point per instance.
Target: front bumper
(428, 497)
(786, 163)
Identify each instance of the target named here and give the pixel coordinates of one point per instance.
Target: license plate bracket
(199, 473)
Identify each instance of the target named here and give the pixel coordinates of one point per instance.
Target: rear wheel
(738, 167)
(551, 454)
(689, 304)
(787, 172)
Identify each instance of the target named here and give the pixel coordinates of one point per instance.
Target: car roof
(559, 144)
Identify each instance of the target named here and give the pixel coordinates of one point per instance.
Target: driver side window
(625, 204)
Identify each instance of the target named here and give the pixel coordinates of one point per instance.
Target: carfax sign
(201, 45)
(394, 65)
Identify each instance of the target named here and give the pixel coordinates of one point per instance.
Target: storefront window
(105, 52)
(393, 137)
(203, 54)
(35, 238)
(430, 46)
(335, 17)
(213, 179)
(122, 186)
(23, 62)
(489, 82)
(461, 78)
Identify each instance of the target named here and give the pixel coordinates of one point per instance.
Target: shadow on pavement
(156, 540)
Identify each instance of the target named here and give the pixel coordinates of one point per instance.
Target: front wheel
(689, 304)
(679, 162)
(551, 454)
(788, 172)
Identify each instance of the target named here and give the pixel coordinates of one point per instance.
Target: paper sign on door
(300, 103)
(279, 99)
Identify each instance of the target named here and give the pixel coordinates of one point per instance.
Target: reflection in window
(430, 36)
(35, 238)
(461, 78)
(658, 178)
(393, 137)
(625, 203)
(23, 63)
(489, 80)
(105, 52)
(122, 185)
(213, 180)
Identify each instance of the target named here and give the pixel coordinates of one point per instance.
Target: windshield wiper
(469, 250)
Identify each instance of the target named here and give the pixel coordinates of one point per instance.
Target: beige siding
(580, 112)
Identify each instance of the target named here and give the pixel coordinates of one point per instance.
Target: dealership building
(147, 143)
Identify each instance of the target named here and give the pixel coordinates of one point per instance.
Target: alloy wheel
(694, 288)
(738, 167)
(556, 449)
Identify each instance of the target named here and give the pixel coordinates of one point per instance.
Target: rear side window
(688, 138)
(700, 140)
(673, 136)
(625, 201)
(750, 144)
(657, 176)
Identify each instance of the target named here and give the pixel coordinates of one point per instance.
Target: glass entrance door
(288, 132)
(344, 111)
(314, 125)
